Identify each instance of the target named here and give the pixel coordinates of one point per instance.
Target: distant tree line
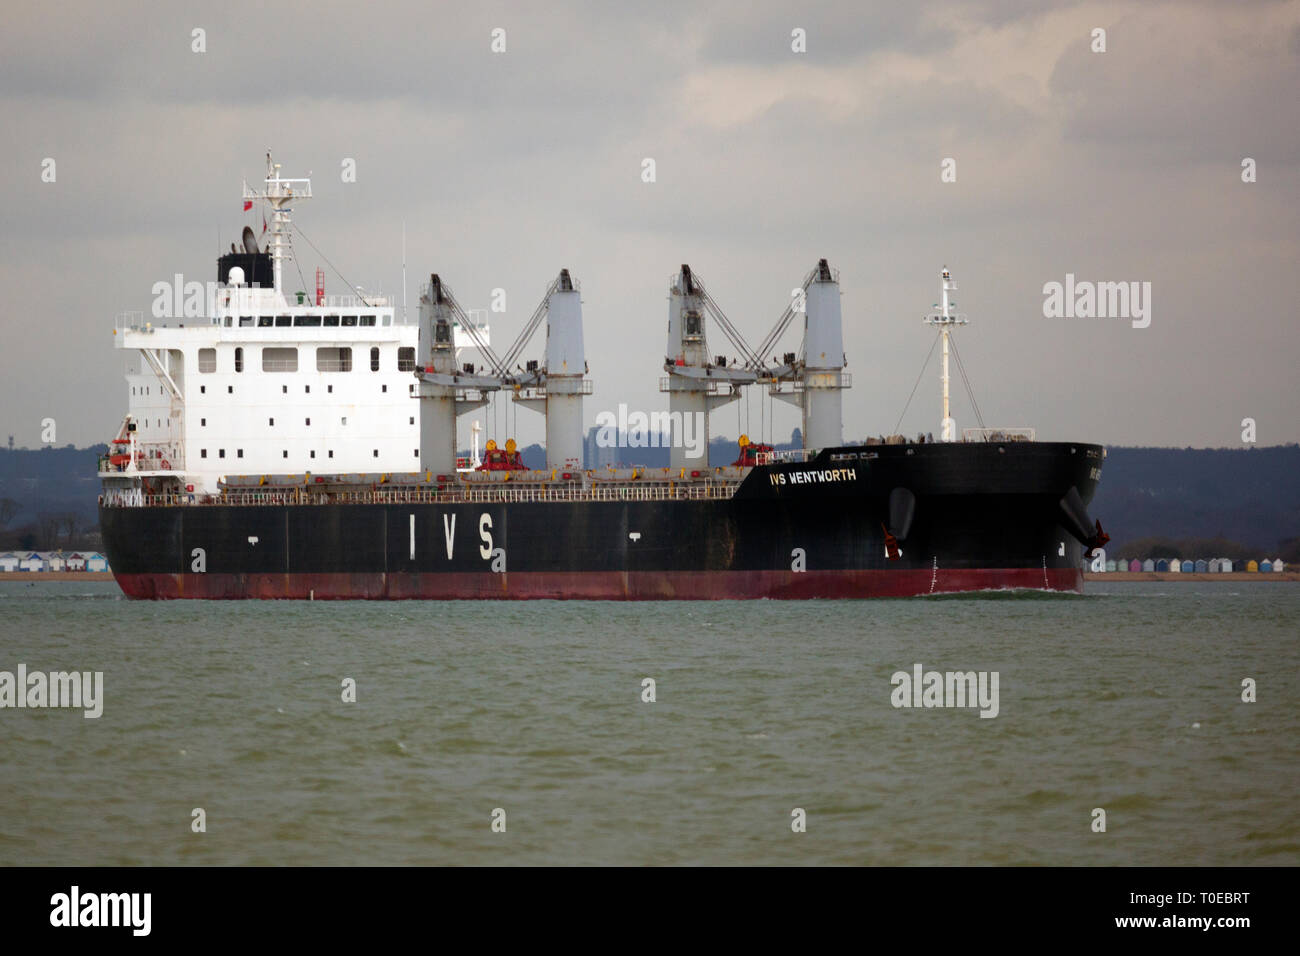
(1190, 549)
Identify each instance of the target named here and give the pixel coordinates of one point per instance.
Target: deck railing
(631, 491)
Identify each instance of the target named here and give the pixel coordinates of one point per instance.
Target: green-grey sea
(1127, 699)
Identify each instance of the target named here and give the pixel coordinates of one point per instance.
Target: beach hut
(1110, 565)
(55, 561)
(1225, 565)
(1148, 565)
(1176, 565)
(76, 561)
(1252, 566)
(1278, 565)
(1213, 566)
(1266, 566)
(96, 562)
(9, 561)
(1162, 564)
(1201, 566)
(32, 562)
(1135, 565)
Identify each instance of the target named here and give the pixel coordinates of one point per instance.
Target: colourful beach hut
(1162, 564)
(1266, 566)
(9, 561)
(1135, 565)
(1148, 565)
(1188, 567)
(96, 562)
(1225, 565)
(1252, 566)
(1110, 565)
(1278, 565)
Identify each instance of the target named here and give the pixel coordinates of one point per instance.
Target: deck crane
(816, 373)
(696, 382)
(555, 386)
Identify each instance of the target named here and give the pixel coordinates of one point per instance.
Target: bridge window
(283, 321)
(309, 321)
(265, 321)
(239, 359)
(374, 360)
(367, 320)
(406, 359)
(245, 321)
(334, 360)
(331, 320)
(349, 320)
(207, 360)
(279, 360)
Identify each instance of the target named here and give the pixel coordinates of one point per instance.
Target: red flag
(248, 204)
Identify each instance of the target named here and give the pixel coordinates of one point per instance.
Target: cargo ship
(305, 446)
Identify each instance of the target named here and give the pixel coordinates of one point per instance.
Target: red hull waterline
(597, 585)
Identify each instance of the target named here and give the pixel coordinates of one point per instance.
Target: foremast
(945, 318)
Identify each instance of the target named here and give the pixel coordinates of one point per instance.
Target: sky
(1123, 165)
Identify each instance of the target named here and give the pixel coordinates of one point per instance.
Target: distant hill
(1247, 495)
(1250, 496)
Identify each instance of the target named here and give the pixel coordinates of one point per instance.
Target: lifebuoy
(165, 465)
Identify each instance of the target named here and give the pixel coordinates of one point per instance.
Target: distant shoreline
(1192, 576)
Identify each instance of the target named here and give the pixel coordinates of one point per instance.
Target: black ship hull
(860, 521)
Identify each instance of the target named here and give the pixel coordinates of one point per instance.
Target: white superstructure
(268, 382)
